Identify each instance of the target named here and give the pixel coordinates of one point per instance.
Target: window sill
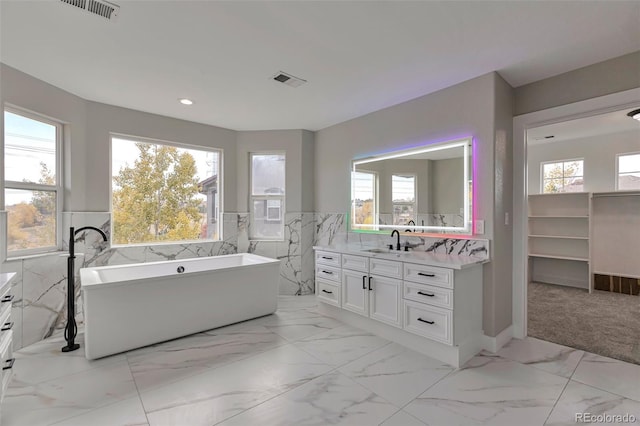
(40, 255)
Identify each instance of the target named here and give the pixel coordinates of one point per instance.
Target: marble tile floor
(297, 367)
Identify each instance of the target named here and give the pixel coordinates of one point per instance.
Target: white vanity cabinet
(436, 310)
(328, 277)
(366, 291)
(6, 333)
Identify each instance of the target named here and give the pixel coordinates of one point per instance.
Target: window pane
(552, 170)
(163, 193)
(31, 219)
(573, 168)
(552, 185)
(267, 174)
(267, 220)
(573, 184)
(403, 188)
(30, 150)
(629, 163)
(364, 185)
(403, 213)
(628, 181)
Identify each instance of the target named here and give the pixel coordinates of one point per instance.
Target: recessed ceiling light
(635, 114)
(185, 101)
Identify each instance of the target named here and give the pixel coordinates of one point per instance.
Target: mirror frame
(467, 144)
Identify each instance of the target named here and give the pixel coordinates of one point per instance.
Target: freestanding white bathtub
(130, 306)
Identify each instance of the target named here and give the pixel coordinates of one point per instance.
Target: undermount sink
(378, 250)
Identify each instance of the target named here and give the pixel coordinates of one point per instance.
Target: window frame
(415, 197)
(267, 197)
(570, 160)
(376, 199)
(617, 175)
(58, 188)
(155, 141)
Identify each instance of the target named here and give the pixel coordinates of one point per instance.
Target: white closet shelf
(564, 237)
(553, 256)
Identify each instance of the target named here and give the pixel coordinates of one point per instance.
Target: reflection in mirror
(426, 189)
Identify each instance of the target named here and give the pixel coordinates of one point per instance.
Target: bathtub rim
(89, 281)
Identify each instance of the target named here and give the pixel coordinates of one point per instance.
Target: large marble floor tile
(402, 418)
(128, 412)
(547, 356)
(341, 345)
(580, 399)
(396, 373)
(167, 362)
(611, 375)
(215, 395)
(65, 397)
(332, 399)
(45, 361)
(297, 325)
(490, 391)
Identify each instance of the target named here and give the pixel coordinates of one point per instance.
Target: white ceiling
(358, 56)
(597, 125)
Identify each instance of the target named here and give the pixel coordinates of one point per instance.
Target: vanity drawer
(429, 321)
(328, 258)
(328, 273)
(6, 360)
(424, 274)
(6, 300)
(432, 295)
(355, 263)
(387, 268)
(328, 292)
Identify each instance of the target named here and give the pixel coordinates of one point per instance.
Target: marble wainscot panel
(296, 247)
(330, 228)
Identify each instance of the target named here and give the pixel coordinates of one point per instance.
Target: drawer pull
(327, 291)
(7, 326)
(7, 298)
(9, 364)
(426, 294)
(364, 282)
(428, 322)
(327, 272)
(370, 278)
(426, 275)
(327, 257)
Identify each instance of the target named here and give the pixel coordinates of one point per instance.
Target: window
(563, 176)
(403, 195)
(32, 191)
(267, 196)
(364, 196)
(163, 192)
(628, 171)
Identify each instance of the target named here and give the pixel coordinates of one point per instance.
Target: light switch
(479, 226)
(506, 218)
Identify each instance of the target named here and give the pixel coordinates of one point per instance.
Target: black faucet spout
(395, 232)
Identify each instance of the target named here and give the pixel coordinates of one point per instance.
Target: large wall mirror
(426, 189)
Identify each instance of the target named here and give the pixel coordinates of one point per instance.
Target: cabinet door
(355, 294)
(385, 300)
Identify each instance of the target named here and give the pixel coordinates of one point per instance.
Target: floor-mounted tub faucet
(71, 329)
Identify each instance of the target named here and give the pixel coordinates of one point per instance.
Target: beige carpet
(602, 322)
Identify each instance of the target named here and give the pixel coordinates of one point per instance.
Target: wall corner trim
(494, 344)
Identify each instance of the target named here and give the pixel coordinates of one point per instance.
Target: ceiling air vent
(289, 79)
(96, 7)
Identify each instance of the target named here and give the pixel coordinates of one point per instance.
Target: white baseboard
(493, 344)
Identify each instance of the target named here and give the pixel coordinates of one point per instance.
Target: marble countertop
(443, 260)
(5, 278)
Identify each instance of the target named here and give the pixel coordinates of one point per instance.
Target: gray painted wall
(482, 108)
(612, 76)
(599, 153)
(297, 145)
